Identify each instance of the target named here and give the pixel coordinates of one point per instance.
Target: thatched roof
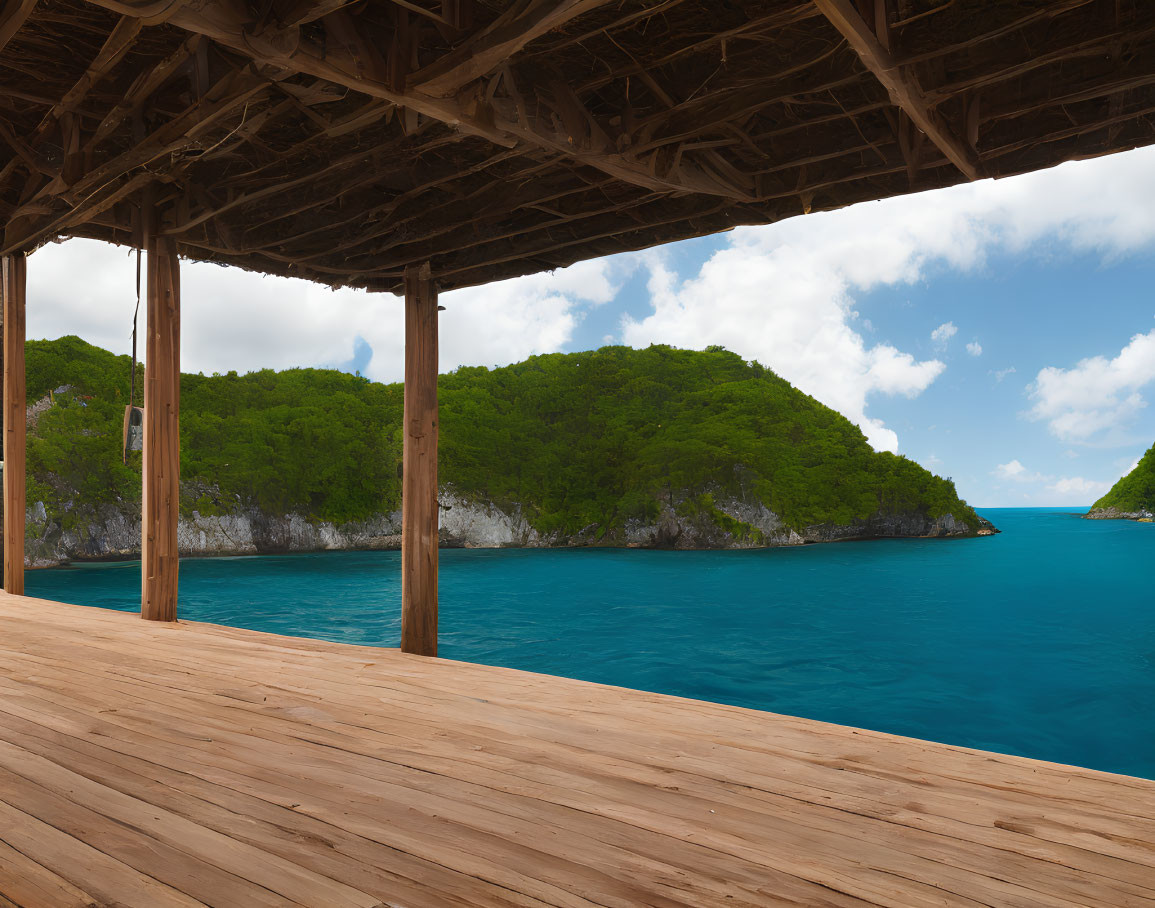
(342, 141)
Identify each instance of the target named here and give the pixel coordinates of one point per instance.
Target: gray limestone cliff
(1116, 514)
(112, 532)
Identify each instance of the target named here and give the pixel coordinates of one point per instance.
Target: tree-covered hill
(1135, 492)
(573, 440)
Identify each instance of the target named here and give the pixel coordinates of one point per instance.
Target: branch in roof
(301, 12)
(771, 24)
(1094, 44)
(487, 49)
(118, 43)
(88, 193)
(899, 82)
(143, 87)
(608, 227)
(467, 221)
(972, 31)
(375, 216)
(34, 164)
(469, 237)
(471, 111)
(13, 15)
(361, 158)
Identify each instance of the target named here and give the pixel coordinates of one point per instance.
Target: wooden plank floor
(154, 765)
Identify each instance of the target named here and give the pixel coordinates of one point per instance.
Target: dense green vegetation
(577, 439)
(1135, 492)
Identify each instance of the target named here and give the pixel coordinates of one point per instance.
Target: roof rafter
(102, 186)
(469, 111)
(117, 44)
(488, 48)
(344, 140)
(899, 82)
(13, 15)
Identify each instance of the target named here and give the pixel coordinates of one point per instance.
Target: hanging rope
(132, 382)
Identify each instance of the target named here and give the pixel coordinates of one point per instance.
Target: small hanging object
(133, 415)
(133, 430)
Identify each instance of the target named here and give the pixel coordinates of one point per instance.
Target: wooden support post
(161, 462)
(15, 421)
(419, 524)
(898, 80)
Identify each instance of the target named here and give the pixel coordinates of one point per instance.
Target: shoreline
(112, 533)
(1115, 514)
(121, 558)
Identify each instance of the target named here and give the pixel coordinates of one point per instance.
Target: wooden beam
(899, 82)
(161, 462)
(419, 517)
(13, 15)
(118, 43)
(454, 215)
(63, 112)
(143, 87)
(471, 111)
(493, 45)
(15, 422)
(101, 187)
(301, 12)
(753, 28)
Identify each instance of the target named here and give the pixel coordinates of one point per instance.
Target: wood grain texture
(160, 466)
(13, 14)
(899, 82)
(14, 277)
(149, 764)
(345, 143)
(485, 51)
(419, 517)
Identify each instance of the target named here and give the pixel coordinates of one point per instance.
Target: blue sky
(1014, 314)
(1001, 333)
(1027, 313)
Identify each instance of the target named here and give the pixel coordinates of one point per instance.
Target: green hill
(575, 440)
(1135, 492)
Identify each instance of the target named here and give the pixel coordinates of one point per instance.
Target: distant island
(660, 448)
(1132, 497)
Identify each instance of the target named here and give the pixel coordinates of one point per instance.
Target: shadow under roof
(344, 141)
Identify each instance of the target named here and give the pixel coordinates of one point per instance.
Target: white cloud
(85, 288)
(943, 333)
(784, 294)
(1076, 489)
(1012, 470)
(501, 323)
(1096, 399)
(1000, 374)
(1088, 489)
(1016, 472)
(233, 319)
(974, 348)
(787, 308)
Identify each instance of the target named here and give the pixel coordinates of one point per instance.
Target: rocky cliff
(113, 532)
(1118, 514)
(618, 447)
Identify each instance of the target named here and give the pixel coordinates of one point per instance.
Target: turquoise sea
(1039, 641)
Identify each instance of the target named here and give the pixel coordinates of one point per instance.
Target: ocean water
(1039, 641)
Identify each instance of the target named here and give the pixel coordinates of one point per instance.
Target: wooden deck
(153, 765)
